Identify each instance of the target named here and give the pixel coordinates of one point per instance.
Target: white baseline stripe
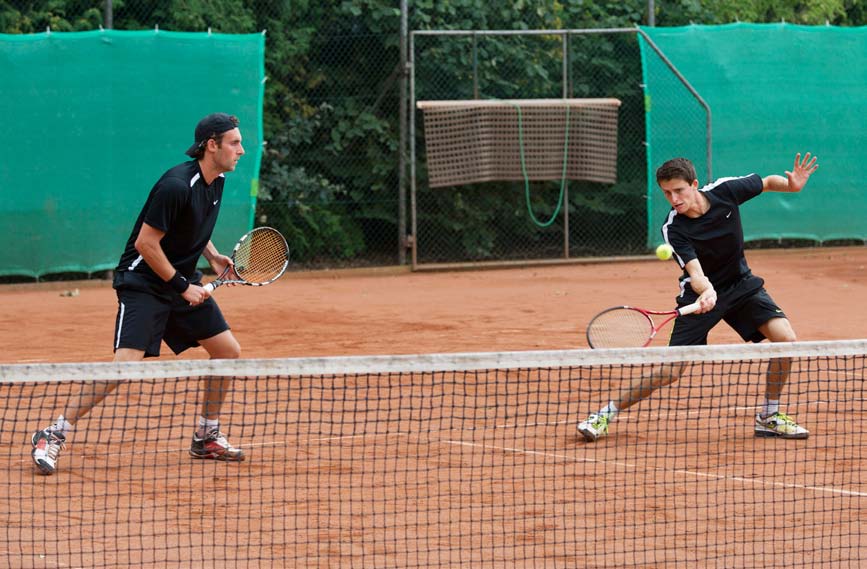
(696, 474)
(681, 472)
(544, 454)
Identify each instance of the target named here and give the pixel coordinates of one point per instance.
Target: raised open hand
(801, 172)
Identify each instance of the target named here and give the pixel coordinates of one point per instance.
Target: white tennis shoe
(46, 448)
(779, 425)
(594, 427)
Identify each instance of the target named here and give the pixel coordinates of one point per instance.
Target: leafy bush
(310, 210)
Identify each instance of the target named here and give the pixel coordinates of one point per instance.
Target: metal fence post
(412, 155)
(566, 83)
(401, 160)
(694, 93)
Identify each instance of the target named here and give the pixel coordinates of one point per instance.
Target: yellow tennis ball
(664, 252)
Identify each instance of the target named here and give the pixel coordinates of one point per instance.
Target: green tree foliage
(33, 16)
(807, 12)
(226, 16)
(331, 107)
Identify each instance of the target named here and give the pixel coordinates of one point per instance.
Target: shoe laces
(217, 436)
(783, 418)
(55, 445)
(598, 420)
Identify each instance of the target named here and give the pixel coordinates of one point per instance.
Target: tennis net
(450, 460)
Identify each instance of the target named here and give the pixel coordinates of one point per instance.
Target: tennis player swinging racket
(704, 229)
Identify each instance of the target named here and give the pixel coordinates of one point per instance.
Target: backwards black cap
(209, 127)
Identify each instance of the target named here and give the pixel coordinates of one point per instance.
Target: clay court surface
(417, 471)
(389, 311)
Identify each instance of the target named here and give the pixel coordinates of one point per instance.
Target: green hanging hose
(524, 168)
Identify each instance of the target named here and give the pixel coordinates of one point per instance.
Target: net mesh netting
(449, 460)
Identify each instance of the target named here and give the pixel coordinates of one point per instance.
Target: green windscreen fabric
(773, 90)
(91, 120)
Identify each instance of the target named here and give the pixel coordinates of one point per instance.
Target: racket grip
(209, 287)
(688, 309)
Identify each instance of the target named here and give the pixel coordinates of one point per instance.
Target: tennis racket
(630, 327)
(260, 257)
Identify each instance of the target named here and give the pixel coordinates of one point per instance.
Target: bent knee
(233, 352)
(778, 330)
(222, 346)
(787, 338)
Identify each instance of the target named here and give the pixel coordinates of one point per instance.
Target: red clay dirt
(391, 311)
(483, 471)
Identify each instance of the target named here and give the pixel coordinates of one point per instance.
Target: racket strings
(262, 257)
(619, 328)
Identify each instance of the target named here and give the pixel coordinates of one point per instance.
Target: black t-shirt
(181, 205)
(716, 238)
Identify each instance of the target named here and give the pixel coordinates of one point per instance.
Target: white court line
(778, 484)
(538, 453)
(622, 418)
(682, 472)
(42, 558)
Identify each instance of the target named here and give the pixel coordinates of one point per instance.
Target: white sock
(206, 426)
(610, 410)
(61, 425)
(770, 407)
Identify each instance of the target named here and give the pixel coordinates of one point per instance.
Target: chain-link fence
(329, 171)
(330, 175)
(493, 221)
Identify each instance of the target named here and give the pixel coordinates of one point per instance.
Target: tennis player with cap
(159, 290)
(704, 229)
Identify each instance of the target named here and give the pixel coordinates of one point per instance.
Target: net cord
(423, 363)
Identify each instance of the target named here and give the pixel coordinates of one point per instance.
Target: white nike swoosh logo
(215, 202)
(728, 215)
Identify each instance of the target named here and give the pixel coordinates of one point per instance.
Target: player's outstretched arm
(794, 180)
(702, 286)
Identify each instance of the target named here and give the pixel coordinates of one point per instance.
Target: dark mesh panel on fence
(330, 169)
(536, 139)
(511, 220)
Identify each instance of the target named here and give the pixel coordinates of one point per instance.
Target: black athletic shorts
(144, 319)
(744, 306)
